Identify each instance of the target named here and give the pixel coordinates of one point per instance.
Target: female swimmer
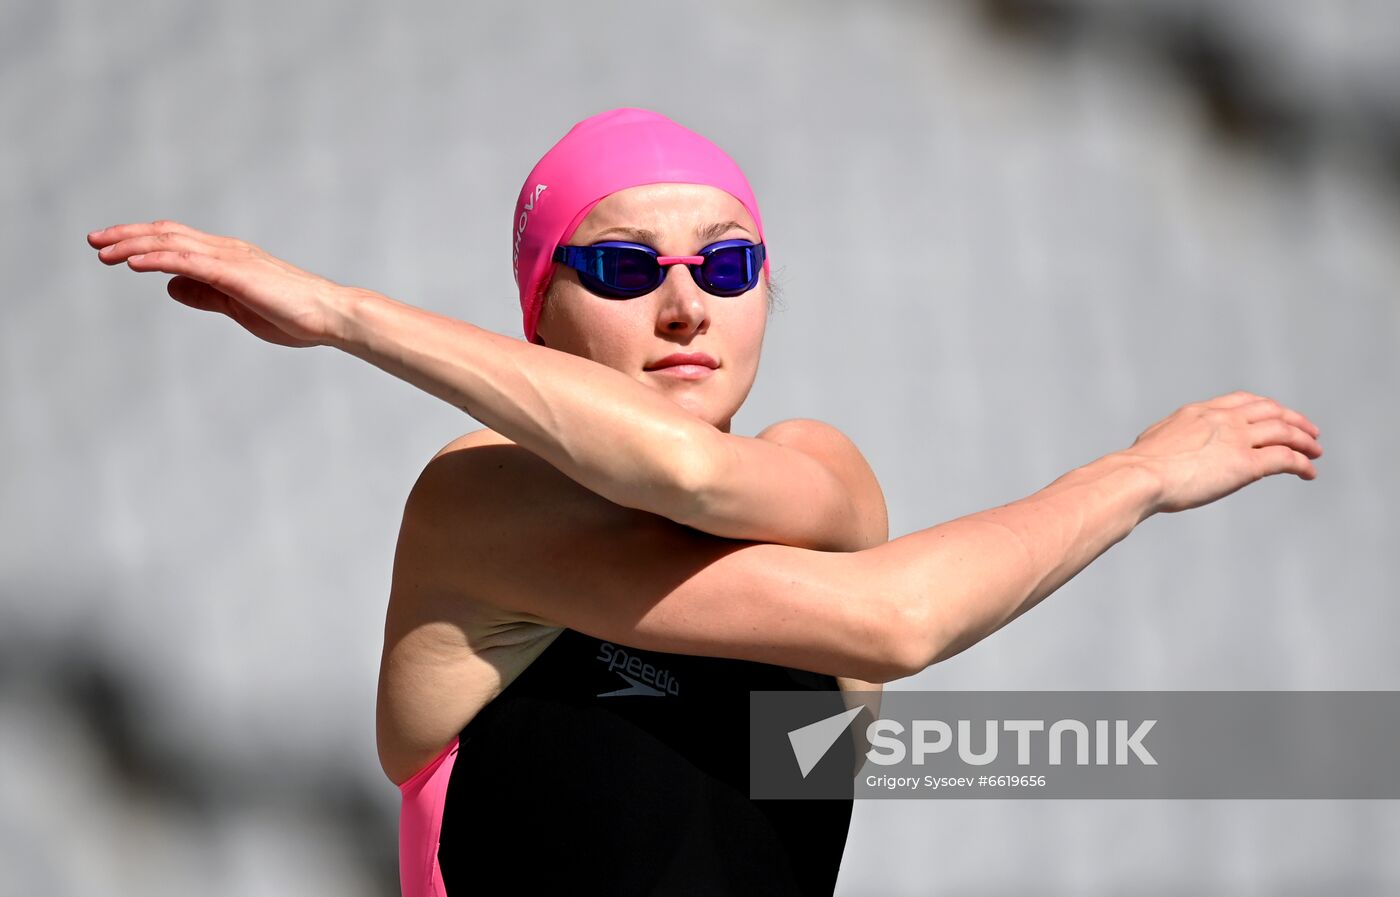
(585, 590)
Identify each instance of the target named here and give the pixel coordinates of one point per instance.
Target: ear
(545, 288)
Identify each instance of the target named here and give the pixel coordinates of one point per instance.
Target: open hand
(270, 298)
(1206, 450)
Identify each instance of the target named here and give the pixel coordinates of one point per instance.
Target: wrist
(1140, 475)
(348, 310)
(1125, 474)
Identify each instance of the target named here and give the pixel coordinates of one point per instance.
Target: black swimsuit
(604, 769)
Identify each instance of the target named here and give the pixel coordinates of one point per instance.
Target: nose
(684, 306)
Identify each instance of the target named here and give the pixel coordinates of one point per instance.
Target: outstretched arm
(877, 614)
(800, 482)
(476, 544)
(603, 429)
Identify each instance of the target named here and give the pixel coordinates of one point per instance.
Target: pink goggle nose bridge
(680, 260)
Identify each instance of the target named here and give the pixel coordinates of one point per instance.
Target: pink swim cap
(600, 155)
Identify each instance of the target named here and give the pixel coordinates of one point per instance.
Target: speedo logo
(641, 677)
(520, 224)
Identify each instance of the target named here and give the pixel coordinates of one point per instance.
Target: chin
(696, 406)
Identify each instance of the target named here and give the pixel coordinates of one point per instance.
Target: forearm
(962, 580)
(598, 426)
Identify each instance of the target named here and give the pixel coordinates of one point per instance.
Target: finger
(108, 235)
(195, 294)
(117, 232)
(1277, 432)
(218, 273)
(1282, 459)
(116, 253)
(1267, 408)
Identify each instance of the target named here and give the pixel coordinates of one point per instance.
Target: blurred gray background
(1011, 236)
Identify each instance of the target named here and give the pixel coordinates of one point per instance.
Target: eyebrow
(642, 235)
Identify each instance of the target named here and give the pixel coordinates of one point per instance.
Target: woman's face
(632, 335)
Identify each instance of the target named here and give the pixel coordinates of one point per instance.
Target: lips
(697, 358)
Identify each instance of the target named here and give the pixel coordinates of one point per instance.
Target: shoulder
(484, 436)
(484, 510)
(463, 466)
(485, 476)
(839, 454)
(819, 439)
(808, 432)
(487, 472)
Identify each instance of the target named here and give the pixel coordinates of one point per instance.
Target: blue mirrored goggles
(619, 270)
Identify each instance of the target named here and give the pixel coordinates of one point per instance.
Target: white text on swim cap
(520, 230)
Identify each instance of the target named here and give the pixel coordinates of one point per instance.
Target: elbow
(887, 632)
(693, 470)
(910, 641)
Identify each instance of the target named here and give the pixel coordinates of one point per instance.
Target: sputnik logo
(811, 742)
